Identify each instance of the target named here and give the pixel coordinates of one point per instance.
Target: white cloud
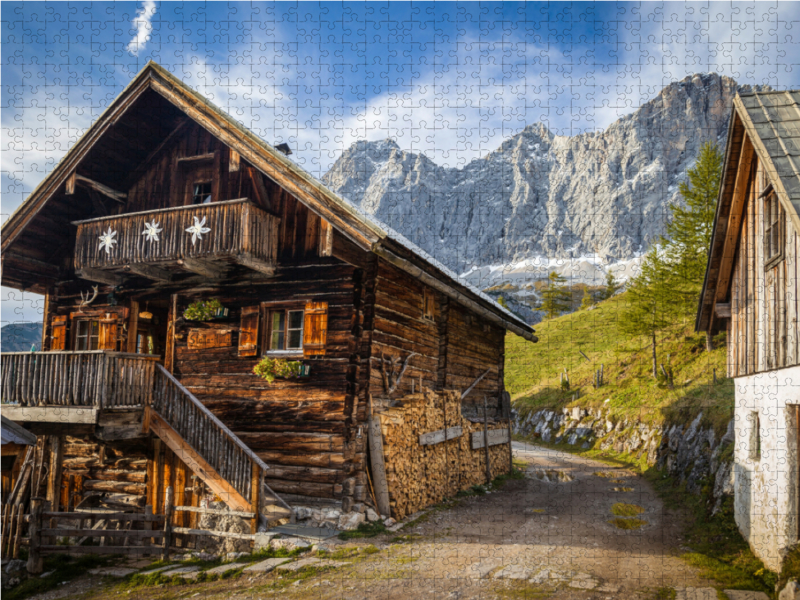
(144, 27)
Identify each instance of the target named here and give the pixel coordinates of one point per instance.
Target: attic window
(773, 230)
(201, 192)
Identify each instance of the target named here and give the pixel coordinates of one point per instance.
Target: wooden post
(147, 525)
(709, 341)
(18, 536)
(169, 351)
(35, 563)
(486, 440)
(54, 476)
(375, 437)
(255, 496)
(167, 524)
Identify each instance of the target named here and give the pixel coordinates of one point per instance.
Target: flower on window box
(269, 369)
(202, 310)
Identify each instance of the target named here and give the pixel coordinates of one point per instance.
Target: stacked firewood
(419, 475)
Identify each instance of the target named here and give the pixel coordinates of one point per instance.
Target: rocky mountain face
(603, 195)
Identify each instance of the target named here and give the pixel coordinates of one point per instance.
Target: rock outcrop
(690, 454)
(602, 194)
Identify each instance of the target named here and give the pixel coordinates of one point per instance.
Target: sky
(450, 80)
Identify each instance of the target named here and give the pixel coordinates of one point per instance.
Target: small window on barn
(430, 304)
(201, 192)
(285, 330)
(773, 230)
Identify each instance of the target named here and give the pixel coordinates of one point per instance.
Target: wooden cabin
(166, 202)
(751, 293)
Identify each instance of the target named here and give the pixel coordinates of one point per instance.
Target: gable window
(201, 192)
(773, 230)
(87, 335)
(285, 330)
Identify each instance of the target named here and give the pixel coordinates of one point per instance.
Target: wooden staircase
(50, 390)
(212, 451)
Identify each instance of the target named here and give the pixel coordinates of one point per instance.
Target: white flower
(197, 230)
(151, 230)
(107, 240)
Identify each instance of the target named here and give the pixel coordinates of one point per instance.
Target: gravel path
(547, 536)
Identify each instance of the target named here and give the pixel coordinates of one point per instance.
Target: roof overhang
(366, 232)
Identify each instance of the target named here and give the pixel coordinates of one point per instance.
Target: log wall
(763, 327)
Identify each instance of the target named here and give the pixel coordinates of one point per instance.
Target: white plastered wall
(766, 482)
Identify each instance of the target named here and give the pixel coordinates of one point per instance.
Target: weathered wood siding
(296, 426)
(763, 328)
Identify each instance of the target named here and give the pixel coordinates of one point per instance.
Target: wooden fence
(95, 378)
(14, 523)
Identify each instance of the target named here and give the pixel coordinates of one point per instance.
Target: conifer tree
(612, 285)
(556, 299)
(587, 299)
(688, 235)
(651, 303)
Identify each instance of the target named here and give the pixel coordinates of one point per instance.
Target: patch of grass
(364, 530)
(621, 509)
(790, 569)
(622, 489)
(665, 593)
(514, 474)
(64, 567)
(532, 377)
(630, 523)
(405, 539)
(404, 560)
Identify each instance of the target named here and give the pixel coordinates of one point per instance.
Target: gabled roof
(767, 124)
(365, 231)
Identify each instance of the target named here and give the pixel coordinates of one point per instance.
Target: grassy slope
(532, 370)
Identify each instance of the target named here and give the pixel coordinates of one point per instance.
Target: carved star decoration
(197, 230)
(107, 240)
(151, 230)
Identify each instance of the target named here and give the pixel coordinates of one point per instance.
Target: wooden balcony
(52, 390)
(163, 245)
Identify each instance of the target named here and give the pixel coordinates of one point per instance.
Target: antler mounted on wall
(391, 379)
(86, 300)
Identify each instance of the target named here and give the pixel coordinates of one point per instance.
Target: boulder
(791, 591)
(14, 573)
(350, 521)
(372, 516)
(289, 543)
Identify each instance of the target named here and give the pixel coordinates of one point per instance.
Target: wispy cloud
(144, 27)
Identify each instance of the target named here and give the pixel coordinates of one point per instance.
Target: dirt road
(548, 536)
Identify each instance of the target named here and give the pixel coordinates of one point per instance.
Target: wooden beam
(150, 272)
(199, 466)
(452, 293)
(258, 184)
(199, 158)
(234, 161)
(723, 310)
(255, 264)
(203, 268)
(66, 415)
(106, 277)
(140, 170)
(103, 189)
(734, 219)
(70, 185)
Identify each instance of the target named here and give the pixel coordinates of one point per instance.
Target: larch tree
(650, 302)
(587, 299)
(556, 298)
(612, 285)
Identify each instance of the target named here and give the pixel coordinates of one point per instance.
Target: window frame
(202, 182)
(88, 337)
(271, 308)
(774, 229)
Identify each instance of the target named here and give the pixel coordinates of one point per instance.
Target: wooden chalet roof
(36, 237)
(12, 433)
(767, 124)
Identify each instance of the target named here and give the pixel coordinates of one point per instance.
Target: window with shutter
(315, 331)
(773, 230)
(430, 304)
(107, 339)
(248, 331)
(59, 336)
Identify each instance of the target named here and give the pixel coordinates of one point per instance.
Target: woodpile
(419, 475)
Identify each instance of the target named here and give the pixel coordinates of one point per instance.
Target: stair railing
(208, 436)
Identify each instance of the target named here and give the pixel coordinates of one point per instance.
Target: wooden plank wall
(296, 426)
(763, 328)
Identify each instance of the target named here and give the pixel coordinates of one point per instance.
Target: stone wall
(690, 453)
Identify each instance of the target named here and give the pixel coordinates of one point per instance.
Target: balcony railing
(234, 231)
(94, 379)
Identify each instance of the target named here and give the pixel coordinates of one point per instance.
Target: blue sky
(451, 80)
